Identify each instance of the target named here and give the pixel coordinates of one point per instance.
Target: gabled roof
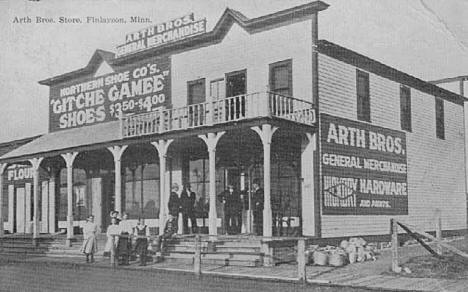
(216, 35)
(98, 57)
(350, 57)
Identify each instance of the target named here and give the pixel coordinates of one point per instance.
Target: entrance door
(196, 98)
(236, 86)
(20, 209)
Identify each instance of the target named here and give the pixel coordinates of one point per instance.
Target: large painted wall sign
(364, 169)
(136, 88)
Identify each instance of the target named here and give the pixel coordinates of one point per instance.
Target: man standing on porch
(232, 210)
(187, 207)
(174, 201)
(257, 206)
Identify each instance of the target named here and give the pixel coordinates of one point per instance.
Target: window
(196, 96)
(141, 192)
(236, 88)
(196, 91)
(281, 77)
(4, 206)
(281, 86)
(217, 89)
(440, 126)
(405, 108)
(363, 97)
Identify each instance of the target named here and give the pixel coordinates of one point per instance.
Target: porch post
(2, 169)
(35, 163)
(117, 152)
(308, 188)
(162, 146)
(211, 140)
(69, 158)
(51, 194)
(266, 133)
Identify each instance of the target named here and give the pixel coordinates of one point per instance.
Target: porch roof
(67, 139)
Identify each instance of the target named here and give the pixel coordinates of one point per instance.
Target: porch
(250, 117)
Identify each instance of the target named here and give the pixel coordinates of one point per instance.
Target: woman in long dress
(124, 244)
(89, 247)
(112, 231)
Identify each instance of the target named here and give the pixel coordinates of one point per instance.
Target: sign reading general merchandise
(160, 34)
(136, 88)
(364, 170)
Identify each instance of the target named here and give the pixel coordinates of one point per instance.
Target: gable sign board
(162, 33)
(364, 168)
(136, 88)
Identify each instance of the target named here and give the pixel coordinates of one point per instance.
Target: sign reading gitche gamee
(140, 87)
(160, 34)
(364, 169)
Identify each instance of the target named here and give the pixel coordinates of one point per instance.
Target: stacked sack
(350, 251)
(358, 250)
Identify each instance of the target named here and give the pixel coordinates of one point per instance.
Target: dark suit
(174, 205)
(187, 207)
(232, 211)
(257, 207)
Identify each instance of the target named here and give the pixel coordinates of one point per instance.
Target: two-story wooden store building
(340, 142)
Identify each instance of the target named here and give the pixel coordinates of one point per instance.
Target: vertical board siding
(436, 173)
(241, 50)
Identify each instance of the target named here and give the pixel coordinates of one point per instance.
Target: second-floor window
(217, 89)
(281, 77)
(196, 91)
(363, 96)
(196, 96)
(405, 108)
(440, 122)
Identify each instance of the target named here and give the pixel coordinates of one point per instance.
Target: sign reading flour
(364, 170)
(140, 87)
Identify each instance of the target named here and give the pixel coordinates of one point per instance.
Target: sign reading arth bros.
(162, 33)
(364, 170)
(136, 88)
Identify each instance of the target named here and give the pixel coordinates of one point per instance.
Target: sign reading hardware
(160, 34)
(136, 88)
(364, 170)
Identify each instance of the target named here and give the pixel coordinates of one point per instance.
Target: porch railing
(235, 108)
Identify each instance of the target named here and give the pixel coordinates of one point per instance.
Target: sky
(425, 38)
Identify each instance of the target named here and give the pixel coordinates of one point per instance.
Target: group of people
(121, 231)
(234, 203)
(119, 236)
(183, 203)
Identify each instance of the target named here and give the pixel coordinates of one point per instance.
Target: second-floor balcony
(220, 111)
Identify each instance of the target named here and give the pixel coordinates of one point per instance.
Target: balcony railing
(235, 108)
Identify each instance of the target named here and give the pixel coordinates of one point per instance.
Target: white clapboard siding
(435, 167)
(240, 50)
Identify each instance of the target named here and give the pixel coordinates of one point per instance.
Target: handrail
(197, 252)
(413, 231)
(229, 109)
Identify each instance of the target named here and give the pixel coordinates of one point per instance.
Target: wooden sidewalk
(370, 275)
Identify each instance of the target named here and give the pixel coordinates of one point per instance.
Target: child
(141, 247)
(112, 231)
